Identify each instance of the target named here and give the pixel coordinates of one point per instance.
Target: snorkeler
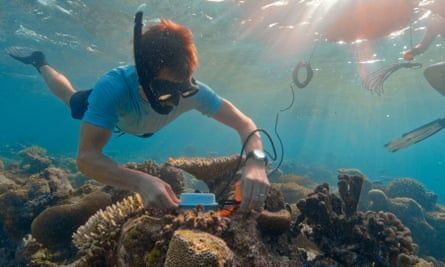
(435, 75)
(142, 99)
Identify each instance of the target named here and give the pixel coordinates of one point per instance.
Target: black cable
(232, 178)
(228, 202)
(277, 117)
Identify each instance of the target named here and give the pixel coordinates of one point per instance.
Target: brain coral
(55, 225)
(411, 188)
(194, 248)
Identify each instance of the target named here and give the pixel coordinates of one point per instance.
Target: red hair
(168, 45)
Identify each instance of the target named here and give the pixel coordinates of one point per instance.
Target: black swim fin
(27, 55)
(416, 135)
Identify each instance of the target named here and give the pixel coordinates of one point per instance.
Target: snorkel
(145, 77)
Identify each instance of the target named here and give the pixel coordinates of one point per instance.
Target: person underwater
(434, 74)
(142, 99)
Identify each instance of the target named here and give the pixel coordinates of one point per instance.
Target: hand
(254, 186)
(157, 193)
(408, 55)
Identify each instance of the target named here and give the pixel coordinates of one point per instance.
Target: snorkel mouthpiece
(145, 77)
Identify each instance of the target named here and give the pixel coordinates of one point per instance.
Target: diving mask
(165, 91)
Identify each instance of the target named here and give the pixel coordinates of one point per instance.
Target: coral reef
(406, 209)
(22, 203)
(292, 192)
(353, 238)
(148, 166)
(57, 180)
(428, 228)
(244, 239)
(31, 253)
(173, 176)
(274, 200)
(195, 248)
(55, 225)
(349, 188)
(410, 188)
(136, 242)
(317, 173)
(434, 244)
(324, 229)
(292, 178)
(143, 237)
(34, 159)
(215, 172)
(274, 222)
(99, 235)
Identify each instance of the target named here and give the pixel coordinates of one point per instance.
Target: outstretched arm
(254, 182)
(434, 28)
(93, 163)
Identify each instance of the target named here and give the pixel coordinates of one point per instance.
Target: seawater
(334, 122)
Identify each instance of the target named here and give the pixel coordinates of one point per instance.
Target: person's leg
(435, 75)
(59, 85)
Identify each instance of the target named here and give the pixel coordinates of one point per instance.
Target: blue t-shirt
(116, 102)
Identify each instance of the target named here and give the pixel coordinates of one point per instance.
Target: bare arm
(234, 118)
(254, 181)
(93, 163)
(434, 28)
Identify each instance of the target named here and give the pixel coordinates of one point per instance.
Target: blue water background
(334, 122)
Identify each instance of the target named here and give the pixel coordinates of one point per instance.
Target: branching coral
(127, 234)
(144, 239)
(173, 177)
(148, 166)
(100, 233)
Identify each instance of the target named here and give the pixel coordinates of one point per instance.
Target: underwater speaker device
(192, 200)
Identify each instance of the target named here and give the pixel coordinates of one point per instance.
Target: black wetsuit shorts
(79, 103)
